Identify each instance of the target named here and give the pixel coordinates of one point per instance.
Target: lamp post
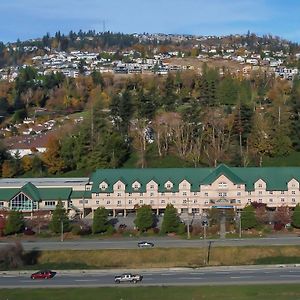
(240, 224)
(188, 219)
(61, 230)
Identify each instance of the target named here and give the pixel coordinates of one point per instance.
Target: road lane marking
(85, 280)
(289, 275)
(191, 278)
(241, 277)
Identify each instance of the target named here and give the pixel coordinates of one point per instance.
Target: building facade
(190, 190)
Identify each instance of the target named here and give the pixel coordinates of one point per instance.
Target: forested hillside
(183, 119)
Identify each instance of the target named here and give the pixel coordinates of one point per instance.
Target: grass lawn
(257, 292)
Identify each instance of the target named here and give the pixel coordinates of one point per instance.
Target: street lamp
(61, 230)
(188, 219)
(240, 224)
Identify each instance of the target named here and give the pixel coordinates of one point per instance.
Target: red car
(45, 274)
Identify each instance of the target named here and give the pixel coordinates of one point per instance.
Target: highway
(204, 276)
(83, 244)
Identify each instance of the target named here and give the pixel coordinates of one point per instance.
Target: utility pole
(62, 230)
(240, 225)
(188, 221)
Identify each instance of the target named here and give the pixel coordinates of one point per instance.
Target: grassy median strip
(249, 292)
(164, 258)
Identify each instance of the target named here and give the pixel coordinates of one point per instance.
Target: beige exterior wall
(222, 192)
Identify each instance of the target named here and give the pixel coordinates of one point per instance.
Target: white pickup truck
(128, 277)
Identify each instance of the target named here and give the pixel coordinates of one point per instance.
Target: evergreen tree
(296, 216)
(248, 218)
(15, 222)
(59, 215)
(171, 220)
(100, 220)
(144, 218)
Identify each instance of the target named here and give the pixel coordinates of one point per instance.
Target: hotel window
(141, 194)
(129, 194)
(222, 194)
(119, 202)
(238, 193)
(97, 194)
(282, 199)
(108, 194)
(206, 202)
(141, 201)
(162, 194)
(119, 194)
(293, 200)
(282, 192)
(260, 192)
(260, 200)
(118, 186)
(173, 201)
(151, 194)
(129, 201)
(103, 187)
(97, 201)
(293, 192)
(184, 193)
(195, 201)
(249, 200)
(151, 186)
(238, 201)
(136, 187)
(206, 194)
(271, 192)
(163, 202)
(238, 186)
(260, 185)
(52, 203)
(1, 203)
(195, 194)
(151, 201)
(184, 201)
(108, 202)
(270, 200)
(249, 193)
(222, 185)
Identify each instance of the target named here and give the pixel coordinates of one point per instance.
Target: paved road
(159, 242)
(205, 276)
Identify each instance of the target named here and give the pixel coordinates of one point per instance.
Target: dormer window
(136, 185)
(168, 185)
(103, 186)
(222, 185)
(260, 185)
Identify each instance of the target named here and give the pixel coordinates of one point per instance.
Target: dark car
(44, 274)
(145, 244)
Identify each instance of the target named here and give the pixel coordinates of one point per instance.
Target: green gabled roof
(276, 178)
(222, 170)
(7, 193)
(81, 194)
(55, 193)
(129, 176)
(31, 191)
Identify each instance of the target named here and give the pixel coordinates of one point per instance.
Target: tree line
(202, 119)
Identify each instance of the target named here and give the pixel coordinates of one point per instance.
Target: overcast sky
(33, 18)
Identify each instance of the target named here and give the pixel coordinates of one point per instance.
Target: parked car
(128, 277)
(145, 244)
(43, 274)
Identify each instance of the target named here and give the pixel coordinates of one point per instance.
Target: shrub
(11, 256)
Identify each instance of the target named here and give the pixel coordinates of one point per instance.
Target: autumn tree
(261, 215)
(52, 158)
(283, 215)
